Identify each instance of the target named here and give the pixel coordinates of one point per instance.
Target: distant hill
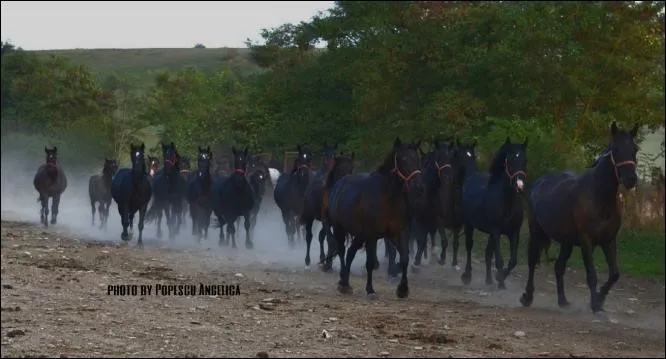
(138, 62)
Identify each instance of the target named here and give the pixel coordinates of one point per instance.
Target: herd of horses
(409, 197)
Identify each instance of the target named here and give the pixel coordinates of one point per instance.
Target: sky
(37, 25)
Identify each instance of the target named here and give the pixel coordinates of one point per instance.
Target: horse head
(466, 156)
(240, 162)
(405, 164)
(137, 154)
(511, 161)
(51, 156)
(110, 167)
(204, 159)
(445, 161)
(623, 150)
(328, 155)
(171, 158)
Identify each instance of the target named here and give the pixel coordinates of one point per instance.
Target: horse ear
(397, 143)
(613, 128)
(233, 150)
(474, 143)
(173, 145)
(508, 140)
(208, 149)
(634, 131)
(246, 151)
(353, 154)
(525, 143)
(46, 150)
(458, 142)
(298, 148)
(55, 148)
(143, 147)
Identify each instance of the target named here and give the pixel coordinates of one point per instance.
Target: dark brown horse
(376, 206)
(582, 210)
(50, 181)
(99, 190)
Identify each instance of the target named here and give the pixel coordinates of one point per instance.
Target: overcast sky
(36, 25)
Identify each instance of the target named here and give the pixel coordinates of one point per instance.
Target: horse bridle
(441, 168)
(172, 160)
(396, 171)
(618, 165)
(512, 175)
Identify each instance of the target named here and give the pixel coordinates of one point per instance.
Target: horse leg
(587, 251)
(339, 234)
(537, 236)
(322, 236)
(168, 216)
(54, 208)
(513, 261)
(490, 250)
(456, 246)
(343, 285)
(123, 210)
(92, 207)
(107, 207)
(231, 232)
(308, 241)
(330, 243)
(248, 236)
(220, 220)
(560, 268)
(288, 228)
(499, 261)
(100, 210)
(403, 288)
(469, 244)
(444, 242)
(159, 220)
(142, 215)
(44, 213)
(421, 237)
(392, 267)
(610, 251)
(370, 258)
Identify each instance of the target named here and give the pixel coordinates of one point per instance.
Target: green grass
(138, 62)
(640, 252)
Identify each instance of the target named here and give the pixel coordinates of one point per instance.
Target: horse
(153, 165)
(289, 193)
(131, 191)
(199, 196)
(233, 197)
(328, 156)
(169, 191)
(259, 179)
(99, 190)
(491, 203)
(187, 174)
(315, 195)
(581, 209)
(442, 176)
(50, 182)
(373, 207)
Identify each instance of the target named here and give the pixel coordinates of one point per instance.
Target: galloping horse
(259, 178)
(50, 181)
(582, 210)
(232, 198)
(373, 207)
(99, 190)
(199, 194)
(169, 190)
(289, 193)
(132, 192)
(491, 204)
(312, 206)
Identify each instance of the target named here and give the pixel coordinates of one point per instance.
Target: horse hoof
(526, 300)
(597, 305)
(53, 221)
(563, 303)
(249, 245)
(307, 261)
(466, 278)
(307, 268)
(371, 296)
(393, 279)
(139, 245)
(457, 268)
(402, 291)
(489, 281)
(124, 237)
(501, 285)
(326, 267)
(441, 262)
(345, 289)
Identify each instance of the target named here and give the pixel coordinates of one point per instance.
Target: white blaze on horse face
(520, 184)
(469, 154)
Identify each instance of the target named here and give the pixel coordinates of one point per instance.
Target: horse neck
(605, 184)
(52, 170)
(390, 181)
(138, 173)
(107, 177)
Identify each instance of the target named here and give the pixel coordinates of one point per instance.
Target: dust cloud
(271, 249)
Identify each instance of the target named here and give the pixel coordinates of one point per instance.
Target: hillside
(138, 62)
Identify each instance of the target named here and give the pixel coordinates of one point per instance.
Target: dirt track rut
(55, 303)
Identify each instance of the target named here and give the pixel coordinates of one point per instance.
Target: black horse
(132, 192)
(199, 194)
(50, 182)
(328, 156)
(491, 203)
(169, 193)
(373, 207)
(312, 207)
(289, 193)
(233, 197)
(582, 210)
(99, 190)
(441, 174)
(187, 174)
(260, 179)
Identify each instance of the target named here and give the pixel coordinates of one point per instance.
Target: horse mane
(497, 164)
(387, 165)
(603, 154)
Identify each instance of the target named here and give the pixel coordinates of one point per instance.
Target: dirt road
(55, 303)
